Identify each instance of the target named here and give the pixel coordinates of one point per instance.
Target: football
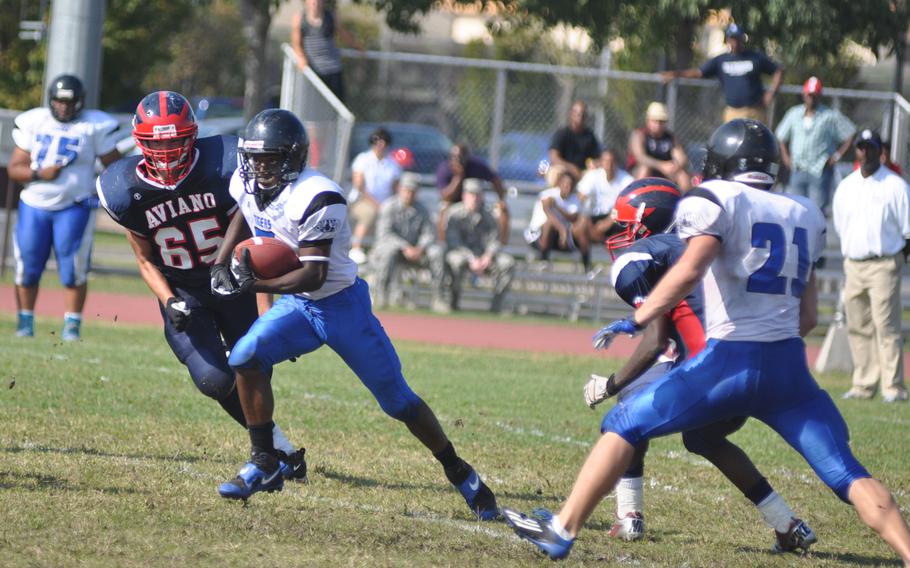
(269, 257)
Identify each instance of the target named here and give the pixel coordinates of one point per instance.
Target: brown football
(269, 257)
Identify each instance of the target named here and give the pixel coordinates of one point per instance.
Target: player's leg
(711, 443)
(32, 247)
(74, 230)
(356, 335)
(860, 331)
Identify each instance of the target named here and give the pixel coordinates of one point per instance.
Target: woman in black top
(313, 40)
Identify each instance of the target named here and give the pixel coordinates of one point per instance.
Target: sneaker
(631, 527)
(899, 396)
(800, 536)
(70, 329)
(357, 255)
(251, 479)
(25, 325)
(538, 530)
(854, 394)
(477, 495)
(293, 466)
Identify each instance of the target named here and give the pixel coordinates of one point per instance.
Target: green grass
(109, 457)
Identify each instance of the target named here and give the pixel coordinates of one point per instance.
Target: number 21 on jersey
(768, 279)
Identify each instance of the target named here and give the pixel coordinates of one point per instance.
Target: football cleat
(631, 527)
(25, 325)
(538, 530)
(70, 329)
(293, 466)
(251, 479)
(799, 536)
(477, 495)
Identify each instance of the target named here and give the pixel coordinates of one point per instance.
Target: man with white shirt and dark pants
(872, 219)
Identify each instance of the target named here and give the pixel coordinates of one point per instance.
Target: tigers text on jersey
(637, 271)
(309, 212)
(769, 243)
(75, 144)
(185, 224)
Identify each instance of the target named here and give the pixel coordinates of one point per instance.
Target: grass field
(109, 457)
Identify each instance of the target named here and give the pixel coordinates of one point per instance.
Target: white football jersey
(75, 144)
(308, 212)
(770, 242)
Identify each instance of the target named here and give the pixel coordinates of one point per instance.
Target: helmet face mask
(165, 129)
(642, 209)
(66, 97)
(273, 152)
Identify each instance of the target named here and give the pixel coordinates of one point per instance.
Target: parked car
(520, 155)
(425, 146)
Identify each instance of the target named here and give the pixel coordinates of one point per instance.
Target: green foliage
(21, 61)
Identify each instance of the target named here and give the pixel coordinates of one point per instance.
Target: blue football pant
(68, 231)
(729, 379)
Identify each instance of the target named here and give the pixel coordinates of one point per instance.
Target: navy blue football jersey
(636, 272)
(185, 224)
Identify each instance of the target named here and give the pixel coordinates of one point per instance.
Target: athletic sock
(759, 492)
(455, 468)
(27, 313)
(261, 438)
(630, 496)
(231, 405)
(776, 512)
(280, 442)
(559, 529)
(72, 316)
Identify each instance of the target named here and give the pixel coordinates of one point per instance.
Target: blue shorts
(345, 322)
(767, 381)
(69, 231)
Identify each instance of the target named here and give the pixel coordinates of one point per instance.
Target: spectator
(739, 73)
(574, 145)
(598, 190)
(313, 39)
(886, 160)
(655, 152)
(54, 158)
(473, 244)
(375, 177)
(813, 137)
(450, 177)
(872, 218)
(557, 223)
(405, 235)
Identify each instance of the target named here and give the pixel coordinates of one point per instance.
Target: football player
(175, 204)
(646, 249)
(54, 158)
(322, 303)
(756, 251)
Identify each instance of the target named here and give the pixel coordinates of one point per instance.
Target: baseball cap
(734, 30)
(657, 111)
(410, 180)
(472, 185)
(812, 86)
(870, 137)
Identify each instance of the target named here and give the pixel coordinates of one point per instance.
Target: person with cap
(813, 137)
(655, 152)
(374, 175)
(405, 235)
(473, 245)
(574, 146)
(739, 72)
(872, 218)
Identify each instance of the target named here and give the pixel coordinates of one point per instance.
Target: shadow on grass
(840, 559)
(102, 454)
(39, 482)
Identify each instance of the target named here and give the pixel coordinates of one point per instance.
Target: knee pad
(214, 383)
(402, 405)
(243, 355)
(29, 278)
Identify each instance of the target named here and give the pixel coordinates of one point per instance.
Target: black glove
(242, 273)
(223, 283)
(178, 313)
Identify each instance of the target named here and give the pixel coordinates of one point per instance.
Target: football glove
(599, 389)
(605, 336)
(242, 272)
(223, 283)
(178, 313)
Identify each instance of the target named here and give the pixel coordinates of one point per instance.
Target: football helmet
(66, 88)
(273, 152)
(165, 129)
(743, 150)
(645, 207)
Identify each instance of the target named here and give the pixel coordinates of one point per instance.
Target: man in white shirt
(872, 218)
(598, 190)
(557, 223)
(374, 175)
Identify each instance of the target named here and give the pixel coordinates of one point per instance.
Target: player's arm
(238, 230)
(20, 170)
(654, 342)
(151, 275)
(310, 276)
(808, 306)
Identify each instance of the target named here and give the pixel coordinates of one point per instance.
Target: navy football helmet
(273, 152)
(743, 150)
(645, 207)
(68, 92)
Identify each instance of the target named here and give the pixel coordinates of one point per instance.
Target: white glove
(597, 390)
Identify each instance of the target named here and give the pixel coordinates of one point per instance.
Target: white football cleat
(631, 527)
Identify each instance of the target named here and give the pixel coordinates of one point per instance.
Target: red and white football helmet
(165, 129)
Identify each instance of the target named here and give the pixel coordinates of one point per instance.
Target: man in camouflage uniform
(405, 234)
(473, 245)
